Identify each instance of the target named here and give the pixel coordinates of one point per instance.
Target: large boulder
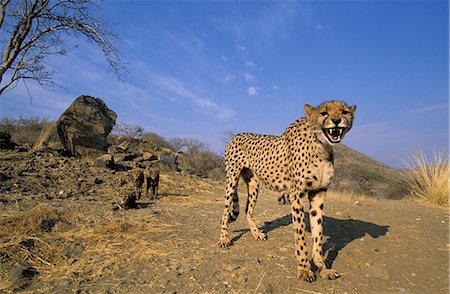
(82, 128)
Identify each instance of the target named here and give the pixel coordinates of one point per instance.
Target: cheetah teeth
(335, 134)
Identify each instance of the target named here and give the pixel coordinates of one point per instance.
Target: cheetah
(300, 163)
(138, 181)
(152, 177)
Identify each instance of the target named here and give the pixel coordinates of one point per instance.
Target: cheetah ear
(308, 109)
(353, 108)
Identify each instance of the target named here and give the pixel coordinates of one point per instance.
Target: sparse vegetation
(128, 131)
(25, 129)
(428, 178)
(156, 140)
(200, 160)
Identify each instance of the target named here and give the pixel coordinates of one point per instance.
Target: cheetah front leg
(304, 271)
(316, 200)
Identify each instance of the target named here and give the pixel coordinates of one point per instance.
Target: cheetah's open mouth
(334, 134)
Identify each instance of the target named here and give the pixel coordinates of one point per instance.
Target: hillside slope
(359, 173)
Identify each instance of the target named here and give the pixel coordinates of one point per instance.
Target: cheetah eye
(345, 112)
(324, 113)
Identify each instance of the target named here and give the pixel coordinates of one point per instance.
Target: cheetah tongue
(334, 134)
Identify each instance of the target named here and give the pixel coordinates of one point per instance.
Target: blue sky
(200, 68)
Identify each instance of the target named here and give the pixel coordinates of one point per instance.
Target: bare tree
(227, 136)
(32, 30)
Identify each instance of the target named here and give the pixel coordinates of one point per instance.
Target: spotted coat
(299, 162)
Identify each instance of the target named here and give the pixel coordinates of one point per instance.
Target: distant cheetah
(299, 162)
(138, 181)
(152, 178)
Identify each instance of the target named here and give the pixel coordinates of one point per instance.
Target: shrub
(25, 129)
(427, 178)
(199, 160)
(128, 131)
(156, 140)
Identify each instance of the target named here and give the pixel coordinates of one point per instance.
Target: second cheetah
(152, 178)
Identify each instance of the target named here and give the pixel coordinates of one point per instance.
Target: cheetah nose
(336, 121)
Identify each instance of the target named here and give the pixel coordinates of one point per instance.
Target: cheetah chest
(320, 176)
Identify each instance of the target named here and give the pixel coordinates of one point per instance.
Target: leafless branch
(33, 30)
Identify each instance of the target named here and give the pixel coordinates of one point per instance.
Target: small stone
(72, 251)
(241, 279)
(283, 249)
(21, 273)
(376, 273)
(98, 181)
(47, 224)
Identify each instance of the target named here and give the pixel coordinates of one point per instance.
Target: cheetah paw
(306, 275)
(224, 242)
(329, 274)
(260, 236)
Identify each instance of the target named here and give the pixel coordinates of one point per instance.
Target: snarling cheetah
(299, 162)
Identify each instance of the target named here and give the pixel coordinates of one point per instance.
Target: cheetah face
(331, 120)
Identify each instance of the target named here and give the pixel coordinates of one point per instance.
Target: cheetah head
(331, 120)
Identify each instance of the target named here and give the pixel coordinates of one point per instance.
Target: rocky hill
(358, 173)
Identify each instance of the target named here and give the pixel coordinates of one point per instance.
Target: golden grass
(429, 178)
(349, 196)
(41, 141)
(112, 243)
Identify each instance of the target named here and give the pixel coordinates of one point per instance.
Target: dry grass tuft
(46, 131)
(109, 244)
(429, 179)
(349, 196)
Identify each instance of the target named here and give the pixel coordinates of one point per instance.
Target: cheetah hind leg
(231, 200)
(252, 189)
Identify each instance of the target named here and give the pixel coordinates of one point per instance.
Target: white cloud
(249, 63)
(228, 78)
(249, 77)
(429, 108)
(224, 58)
(275, 87)
(210, 107)
(174, 88)
(241, 48)
(253, 91)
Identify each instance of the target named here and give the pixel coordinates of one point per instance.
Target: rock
(104, 161)
(47, 224)
(81, 129)
(148, 156)
(241, 279)
(376, 272)
(20, 274)
(5, 141)
(73, 251)
(124, 156)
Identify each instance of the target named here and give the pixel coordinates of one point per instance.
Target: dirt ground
(60, 234)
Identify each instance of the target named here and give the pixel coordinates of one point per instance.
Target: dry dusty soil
(60, 234)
